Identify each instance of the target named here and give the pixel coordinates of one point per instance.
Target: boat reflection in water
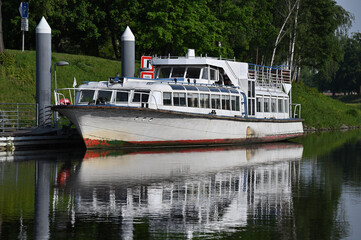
(189, 191)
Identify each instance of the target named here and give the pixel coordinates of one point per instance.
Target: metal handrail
(16, 116)
(296, 106)
(59, 95)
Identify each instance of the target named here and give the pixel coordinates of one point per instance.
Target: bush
(352, 112)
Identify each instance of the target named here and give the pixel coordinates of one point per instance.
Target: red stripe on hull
(93, 143)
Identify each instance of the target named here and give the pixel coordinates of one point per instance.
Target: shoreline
(343, 127)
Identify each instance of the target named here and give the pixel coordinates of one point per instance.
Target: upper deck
(237, 73)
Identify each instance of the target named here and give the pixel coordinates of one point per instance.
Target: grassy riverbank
(18, 73)
(323, 112)
(18, 84)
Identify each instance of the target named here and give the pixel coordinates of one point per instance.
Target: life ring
(64, 101)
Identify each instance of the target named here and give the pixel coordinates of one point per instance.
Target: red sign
(149, 75)
(146, 64)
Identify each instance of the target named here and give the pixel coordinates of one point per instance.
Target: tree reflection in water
(285, 191)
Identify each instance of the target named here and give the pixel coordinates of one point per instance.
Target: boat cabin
(200, 85)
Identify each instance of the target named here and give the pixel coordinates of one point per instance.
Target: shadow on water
(254, 192)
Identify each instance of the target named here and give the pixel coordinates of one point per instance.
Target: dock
(40, 138)
(20, 129)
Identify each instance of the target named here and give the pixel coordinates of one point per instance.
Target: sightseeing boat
(187, 100)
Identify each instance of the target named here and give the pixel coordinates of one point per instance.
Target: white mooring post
(43, 73)
(128, 53)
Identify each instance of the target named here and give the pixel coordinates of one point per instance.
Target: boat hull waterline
(114, 126)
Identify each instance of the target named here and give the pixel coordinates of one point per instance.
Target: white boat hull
(107, 126)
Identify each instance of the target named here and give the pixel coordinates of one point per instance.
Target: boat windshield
(104, 96)
(178, 72)
(181, 71)
(193, 72)
(86, 96)
(164, 72)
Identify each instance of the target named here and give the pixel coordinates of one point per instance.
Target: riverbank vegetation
(18, 73)
(18, 83)
(309, 37)
(322, 112)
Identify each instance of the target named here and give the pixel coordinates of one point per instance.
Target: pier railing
(16, 116)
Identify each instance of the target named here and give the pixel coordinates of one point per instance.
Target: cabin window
(192, 99)
(251, 89)
(167, 100)
(177, 87)
(202, 88)
(233, 90)
(136, 97)
(225, 102)
(213, 89)
(193, 72)
(122, 97)
(216, 101)
(259, 104)
(251, 107)
(205, 73)
(235, 103)
(191, 88)
(145, 97)
(179, 99)
(213, 74)
(176, 99)
(104, 96)
(204, 100)
(178, 72)
(286, 105)
(86, 96)
(164, 72)
(266, 104)
(140, 97)
(280, 105)
(273, 105)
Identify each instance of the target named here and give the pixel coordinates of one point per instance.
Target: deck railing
(268, 76)
(17, 116)
(64, 94)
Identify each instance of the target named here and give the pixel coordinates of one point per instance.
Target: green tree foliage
(318, 30)
(174, 26)
(244, 29)
(81, 26)
(2, 48)
(348, 76)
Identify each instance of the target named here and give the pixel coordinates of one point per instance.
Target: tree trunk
(2, 48)
(294, 37)
(280, 32)
(115, 46)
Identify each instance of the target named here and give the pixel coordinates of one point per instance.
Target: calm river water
(307, 189)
